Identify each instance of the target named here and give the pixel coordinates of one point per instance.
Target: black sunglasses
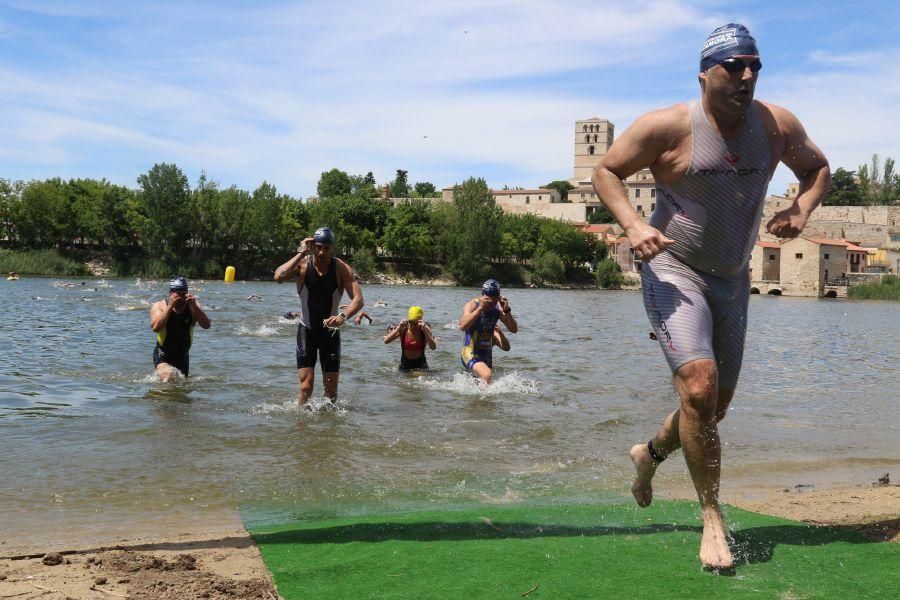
(736, 65)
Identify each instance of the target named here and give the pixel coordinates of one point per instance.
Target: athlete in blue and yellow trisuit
(173, 320)
(478, 321)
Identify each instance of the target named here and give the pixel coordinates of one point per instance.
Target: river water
(92, 447)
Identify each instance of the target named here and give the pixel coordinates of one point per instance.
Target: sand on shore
(229, 566)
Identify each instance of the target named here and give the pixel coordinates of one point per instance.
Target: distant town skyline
(286, 90)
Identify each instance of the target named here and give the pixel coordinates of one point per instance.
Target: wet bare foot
(714, 551)
(641, 489)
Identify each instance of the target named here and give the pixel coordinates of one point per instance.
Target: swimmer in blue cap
(173, 321)
(712, 159)
(478, 322)
(321, 280)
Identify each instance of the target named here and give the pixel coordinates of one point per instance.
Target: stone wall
(867, 225)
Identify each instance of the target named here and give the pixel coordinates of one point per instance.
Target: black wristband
(342, 315)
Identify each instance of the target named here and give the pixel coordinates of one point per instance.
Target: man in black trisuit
(173, 320)
(321, 281)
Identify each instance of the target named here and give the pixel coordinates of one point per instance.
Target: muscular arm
(428, 337)
(395, 333)
(159, 315)
(810, 166)
(198, 315)
(500, 340)
(291, 269)
(640, 146)
(349, 283)
(510, 322)
(471, 312)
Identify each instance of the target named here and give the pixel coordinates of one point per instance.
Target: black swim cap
(324, 235)
(726, 41)
(491, 288)
(178, 284)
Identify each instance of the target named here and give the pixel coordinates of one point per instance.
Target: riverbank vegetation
(164, 226)
(886, 289)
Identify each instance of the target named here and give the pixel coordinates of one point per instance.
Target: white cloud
(851, 113)
(283, 93)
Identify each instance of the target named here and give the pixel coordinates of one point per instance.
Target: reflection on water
(91, 439)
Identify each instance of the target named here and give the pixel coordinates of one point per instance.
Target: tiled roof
(762, 244)
(600, 228)
(822, 240)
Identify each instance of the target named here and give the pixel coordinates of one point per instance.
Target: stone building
(525, 197)
(593, 137)
(869, 226)
(765, 262)
(808, 262)
(641, 189)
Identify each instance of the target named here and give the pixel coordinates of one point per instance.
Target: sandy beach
(229, 566)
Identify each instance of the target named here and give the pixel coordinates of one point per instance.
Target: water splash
(292, 407)
(466, 385)
(261, 331)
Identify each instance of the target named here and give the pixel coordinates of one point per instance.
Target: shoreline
(225, 565)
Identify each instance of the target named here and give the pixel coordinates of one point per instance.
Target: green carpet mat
(571, 551)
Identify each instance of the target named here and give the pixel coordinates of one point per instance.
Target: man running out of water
(478, 321)
(414, 334)
(321, 282)
(712, 160)
(173, 320)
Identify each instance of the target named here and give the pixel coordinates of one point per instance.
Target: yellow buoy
(229, 274)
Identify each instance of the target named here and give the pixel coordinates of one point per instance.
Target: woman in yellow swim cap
(414, 334)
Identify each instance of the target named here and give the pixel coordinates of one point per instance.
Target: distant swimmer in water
(712, 159)
(254, 298)
(291, 315)
(173, 320)
(362, 314)
(414, 334)
(500, 339)
(321, 281)
(479, 321)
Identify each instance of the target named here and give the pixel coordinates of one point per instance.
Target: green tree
(570, 244)
(407, 235)
(425, 189)
(547, 267)
(207, 215)
(442, 224)
(364, 213)
(261, 226)
(400, 187)
(845, 191)
(10, 206)
(293, 222)
(601, 215)
(334, 183)
(363, 186)
(609, 275)
(889, 183)
(166, 202)
(44, 215)
(475, 237)
(562, 186)
(234, 204)
(519, 236)
(865, 182)
(364, 263)
(121, 207)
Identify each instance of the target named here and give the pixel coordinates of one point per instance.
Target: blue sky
(281, 91)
